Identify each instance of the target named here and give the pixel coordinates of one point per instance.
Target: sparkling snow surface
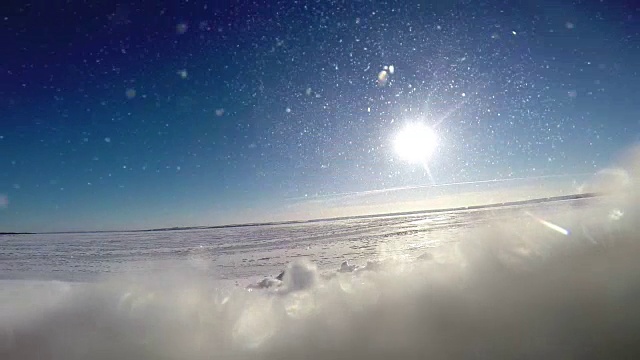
(246, 252)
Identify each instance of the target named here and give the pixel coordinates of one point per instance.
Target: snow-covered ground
(549, 280)
(238, 253)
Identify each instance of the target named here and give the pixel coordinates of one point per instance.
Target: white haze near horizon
(512, 287)
(398, 200)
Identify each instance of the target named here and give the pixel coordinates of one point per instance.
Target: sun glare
(415, 143)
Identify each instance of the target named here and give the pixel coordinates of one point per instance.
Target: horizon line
(576, 196)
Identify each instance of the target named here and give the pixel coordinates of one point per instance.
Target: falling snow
(257, 100)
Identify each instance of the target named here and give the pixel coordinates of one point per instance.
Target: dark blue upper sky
(171, 113)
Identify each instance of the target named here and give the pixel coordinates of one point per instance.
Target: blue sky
(144, 114)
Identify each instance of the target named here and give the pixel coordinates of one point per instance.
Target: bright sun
(415, 143)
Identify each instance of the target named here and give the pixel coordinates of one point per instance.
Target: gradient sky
(152, 113)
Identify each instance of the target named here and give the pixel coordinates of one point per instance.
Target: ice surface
(477, 284)
(229, 253)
